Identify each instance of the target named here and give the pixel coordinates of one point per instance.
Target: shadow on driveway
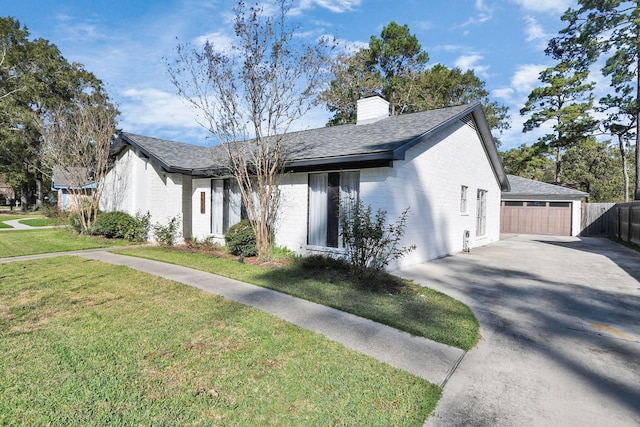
(560, 325)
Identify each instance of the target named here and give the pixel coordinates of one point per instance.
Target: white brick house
(442, 164)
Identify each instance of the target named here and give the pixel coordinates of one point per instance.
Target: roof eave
(381, 158)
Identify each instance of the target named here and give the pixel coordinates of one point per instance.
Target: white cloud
(150, 108)
(482, 15)
(336, 6)
(526, 78)
(471, 62)
(533, 29)
(549, 6)
(220, 41)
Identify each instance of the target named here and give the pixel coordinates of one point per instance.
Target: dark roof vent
(468, 120)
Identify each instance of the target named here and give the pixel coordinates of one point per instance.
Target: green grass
(418, 310)
(39, 222)
(29, 242)
(34, 220)
(86, 343)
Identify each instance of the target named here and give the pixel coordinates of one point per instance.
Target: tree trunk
(625, 172)
(39, 192)
(636, 195)
(558, 164)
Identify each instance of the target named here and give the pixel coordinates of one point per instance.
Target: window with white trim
(226, 205)
(481, 213)
(463, 199)
(326, 190)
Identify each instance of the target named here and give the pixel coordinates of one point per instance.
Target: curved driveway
(560, 325)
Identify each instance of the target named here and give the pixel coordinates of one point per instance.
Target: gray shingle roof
(172, 154)
(383, 136)
(384, 140)
(523, 187)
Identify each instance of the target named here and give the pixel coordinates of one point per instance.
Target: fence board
(599, 219)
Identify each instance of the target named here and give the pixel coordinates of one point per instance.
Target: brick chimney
(371, 110)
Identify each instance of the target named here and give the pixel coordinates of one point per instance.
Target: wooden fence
(621, 220)
(598, 219)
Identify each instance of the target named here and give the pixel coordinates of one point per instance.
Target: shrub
(139, 232)
(113, 224)
(371, 243)
(121, 225)
(241, 239)
(166, 235)
(77, 221)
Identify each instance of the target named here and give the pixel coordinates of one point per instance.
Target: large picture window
(226, 205)
(326, 191)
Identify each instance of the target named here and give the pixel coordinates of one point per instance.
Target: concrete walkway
(560, 325)
(17, 225)
(424, 358)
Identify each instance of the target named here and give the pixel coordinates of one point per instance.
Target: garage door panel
(552, 218)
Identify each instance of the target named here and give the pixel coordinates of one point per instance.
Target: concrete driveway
(560, 325)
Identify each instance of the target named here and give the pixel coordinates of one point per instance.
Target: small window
(514, 203)
(559, 204)
(202, 202)
(537, 204)
(481, 213)
(463, 199)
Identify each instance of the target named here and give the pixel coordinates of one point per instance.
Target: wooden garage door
(535, 217)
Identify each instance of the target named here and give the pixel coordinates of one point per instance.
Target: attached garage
(533, 207)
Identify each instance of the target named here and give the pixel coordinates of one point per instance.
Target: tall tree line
(394, 66)
(602, 35)
(35, 80)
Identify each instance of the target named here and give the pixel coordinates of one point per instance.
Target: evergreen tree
(609, 31)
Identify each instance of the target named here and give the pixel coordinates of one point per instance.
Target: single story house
(65, 182)
(7, 195)
(534, 207)
(442, 164)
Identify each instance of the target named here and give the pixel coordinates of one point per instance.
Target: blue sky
(124, 42)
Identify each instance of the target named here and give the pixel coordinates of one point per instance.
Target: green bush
(113, 224)
(241, 239)
(166, 235)
(371, 242)
(139, 232)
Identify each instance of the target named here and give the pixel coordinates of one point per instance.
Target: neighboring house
(533, 207)
(443, 164)
(7, 195)
(71, 184)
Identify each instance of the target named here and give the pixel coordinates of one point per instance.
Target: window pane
(234, 203)
(349, 193)
(463, 199)
(318, 196)
(537, 204)
(481, 214)
(559, 204)
(514, 203)
(217, 205)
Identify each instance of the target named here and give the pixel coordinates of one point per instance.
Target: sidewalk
(17, 225)
(424, 358)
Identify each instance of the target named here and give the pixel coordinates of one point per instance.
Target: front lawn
(86, 343)
(418, 310)
(30, 242)
(39, 222)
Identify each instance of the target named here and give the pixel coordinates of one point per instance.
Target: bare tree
(77, 140)
(248, 95)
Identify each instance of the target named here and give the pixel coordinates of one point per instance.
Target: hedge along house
(442, 164)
